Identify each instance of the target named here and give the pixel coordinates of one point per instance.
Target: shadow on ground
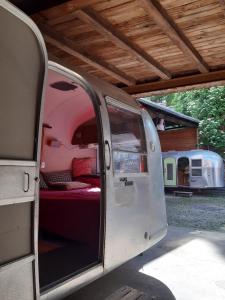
(189, 263)
(100, 289)
(176, 268)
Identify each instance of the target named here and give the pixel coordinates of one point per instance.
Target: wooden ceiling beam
(64, 11)
(105, 28)
(216, 78)
(56, 39)
(169, 27)
(222, 3)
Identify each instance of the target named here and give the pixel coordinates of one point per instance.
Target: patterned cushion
(58, 176)
(43, 184)
(81, 166)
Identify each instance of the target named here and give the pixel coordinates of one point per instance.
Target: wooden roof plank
(58, 12)
(178, 84)
(166, 23)
(70, 47)
(222, 3)
(105, 28)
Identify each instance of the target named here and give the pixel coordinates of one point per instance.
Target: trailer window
(196, 165)
(128, 141)
(196, 162)
(169, 171)
(196, 172)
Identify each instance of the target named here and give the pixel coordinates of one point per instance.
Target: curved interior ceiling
(71, 108)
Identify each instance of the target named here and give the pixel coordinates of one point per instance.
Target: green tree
(207, 105)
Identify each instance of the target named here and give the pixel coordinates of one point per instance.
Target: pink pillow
(81, 166)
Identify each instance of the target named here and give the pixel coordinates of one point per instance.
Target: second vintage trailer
(193, 169)
(80, 173)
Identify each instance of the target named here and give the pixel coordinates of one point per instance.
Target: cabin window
(196, 172)
(128, 141)
(196, 162)
(196, 167)
(169, 171)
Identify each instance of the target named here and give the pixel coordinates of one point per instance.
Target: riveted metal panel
(22, 79)
(135, 212)
(15, 231)
(16, 283)
(16, 182)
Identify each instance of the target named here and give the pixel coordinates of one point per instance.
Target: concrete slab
(187, 265)
(191, 263)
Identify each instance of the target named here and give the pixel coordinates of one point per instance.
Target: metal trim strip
(16, 200)
(73, 284)
(115, 102)
(17, 263)
(22, 163)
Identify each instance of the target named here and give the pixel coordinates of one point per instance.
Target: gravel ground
(198, 212)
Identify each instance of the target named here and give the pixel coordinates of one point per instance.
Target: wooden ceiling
(144, 46)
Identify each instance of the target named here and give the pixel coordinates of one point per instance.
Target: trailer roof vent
(63, 86)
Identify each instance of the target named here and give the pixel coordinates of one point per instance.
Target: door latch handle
(26, 182)
(108, 161)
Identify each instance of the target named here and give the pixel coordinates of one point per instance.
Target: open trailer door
(22, 74)
(135, 206)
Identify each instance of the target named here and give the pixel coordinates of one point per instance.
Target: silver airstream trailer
(193, 169)
(80, 174)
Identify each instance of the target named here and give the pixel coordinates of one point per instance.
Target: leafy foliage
(207, 105)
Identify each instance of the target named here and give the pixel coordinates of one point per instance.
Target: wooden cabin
(177, 132)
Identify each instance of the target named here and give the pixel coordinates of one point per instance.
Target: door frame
(189, 175)
(72, 284)
(175, 169)
(35, 162)
(112, 101)
(120, 213)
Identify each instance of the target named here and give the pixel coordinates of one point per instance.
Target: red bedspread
(73, 214)
(84, 193)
